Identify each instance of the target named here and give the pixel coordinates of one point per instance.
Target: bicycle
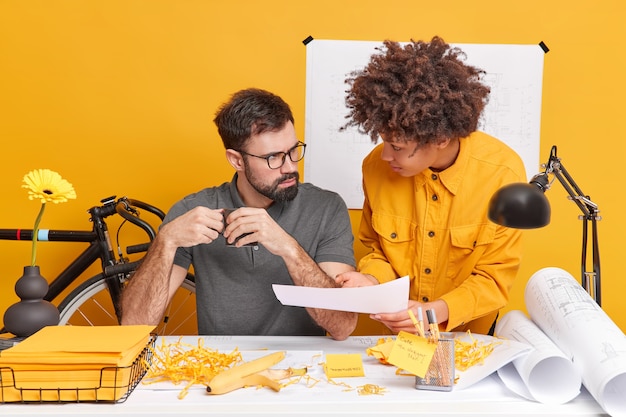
(95, 301)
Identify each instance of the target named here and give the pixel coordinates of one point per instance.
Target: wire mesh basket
(440, 373)
(105, 385)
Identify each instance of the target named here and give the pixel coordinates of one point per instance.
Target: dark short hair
(421, 92)
(250, 112)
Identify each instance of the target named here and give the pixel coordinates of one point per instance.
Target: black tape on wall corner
(307, 40)
(544, 47)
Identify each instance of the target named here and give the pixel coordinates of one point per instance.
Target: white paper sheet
(389, 297)
(545, 374)
(504, 351)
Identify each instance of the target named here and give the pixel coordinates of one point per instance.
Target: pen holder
(440, 373)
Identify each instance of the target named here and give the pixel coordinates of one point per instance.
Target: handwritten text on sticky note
(412, 353)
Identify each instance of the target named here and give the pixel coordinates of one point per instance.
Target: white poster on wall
(333, 158)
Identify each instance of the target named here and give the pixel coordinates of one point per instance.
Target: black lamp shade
(520, 206)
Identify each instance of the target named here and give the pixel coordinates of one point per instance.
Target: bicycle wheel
(90, 304)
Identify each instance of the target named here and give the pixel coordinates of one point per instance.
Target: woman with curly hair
(428, 184)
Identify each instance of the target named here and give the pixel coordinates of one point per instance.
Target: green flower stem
(35, 233)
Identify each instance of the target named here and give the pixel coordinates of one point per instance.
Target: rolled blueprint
(568, 315)
(545, 374)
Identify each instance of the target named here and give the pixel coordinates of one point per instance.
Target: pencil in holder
(440, 373)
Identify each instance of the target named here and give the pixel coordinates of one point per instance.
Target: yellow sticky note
(412, 353)
(340, 365)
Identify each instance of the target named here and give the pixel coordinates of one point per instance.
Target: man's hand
(199, 225)
(355, 279)
(257, 226)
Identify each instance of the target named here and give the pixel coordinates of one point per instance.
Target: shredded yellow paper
(182, 362)
(468, 354)
(371, 389)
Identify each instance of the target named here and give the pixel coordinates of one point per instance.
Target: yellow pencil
(420, 331)
(421, 320)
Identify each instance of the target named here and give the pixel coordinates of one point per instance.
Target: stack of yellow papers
(72, 363)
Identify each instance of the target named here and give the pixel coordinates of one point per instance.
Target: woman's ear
(443, 143)
(235, 159)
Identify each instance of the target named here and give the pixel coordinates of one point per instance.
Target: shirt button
(425, 299)
(427, 271)
(431, 234)
(433, 176)
(434, 197)
(394, 235)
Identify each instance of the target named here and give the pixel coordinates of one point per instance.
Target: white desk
(486, 398)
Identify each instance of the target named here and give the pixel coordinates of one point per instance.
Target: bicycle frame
(77, 267)
(100, 246)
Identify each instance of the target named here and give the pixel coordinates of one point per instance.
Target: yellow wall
(118, 97)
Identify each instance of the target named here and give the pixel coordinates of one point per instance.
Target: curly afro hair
(421, 92)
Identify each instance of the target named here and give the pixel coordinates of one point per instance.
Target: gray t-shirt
(234, 285)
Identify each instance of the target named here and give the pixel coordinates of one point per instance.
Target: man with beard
(280, 232)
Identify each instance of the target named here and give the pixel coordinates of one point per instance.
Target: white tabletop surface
(489, 397)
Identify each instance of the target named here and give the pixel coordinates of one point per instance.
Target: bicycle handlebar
(125, 268)
(142, 247)
(152, 209)
(125, 209)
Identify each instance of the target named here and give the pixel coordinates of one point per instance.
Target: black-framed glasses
(277, 159)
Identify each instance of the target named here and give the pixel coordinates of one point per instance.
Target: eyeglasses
(277, 159)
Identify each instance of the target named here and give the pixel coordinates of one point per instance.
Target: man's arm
(305, 272)
(151, 288)
(301, 267)
(148, 293)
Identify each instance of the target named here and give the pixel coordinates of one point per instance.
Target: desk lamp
(524, 206)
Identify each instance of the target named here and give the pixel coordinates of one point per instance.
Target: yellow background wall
(118, 97)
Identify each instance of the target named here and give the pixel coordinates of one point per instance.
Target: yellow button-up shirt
(434, 228)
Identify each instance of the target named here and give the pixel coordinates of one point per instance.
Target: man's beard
(272, 191)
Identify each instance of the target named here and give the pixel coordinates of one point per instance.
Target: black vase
(32, 313)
